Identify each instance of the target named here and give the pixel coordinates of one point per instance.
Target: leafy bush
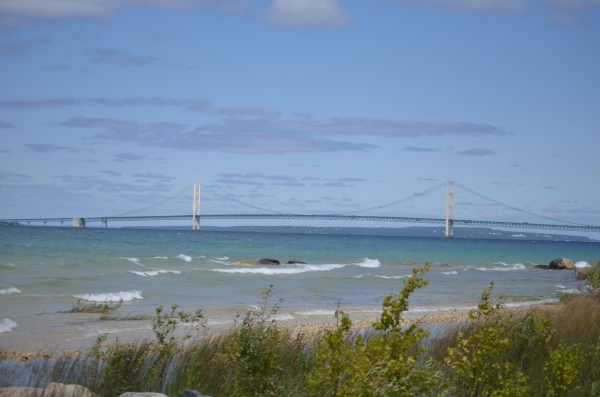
(386, 364)
(253, 350)
(477, 363)
(593, 279)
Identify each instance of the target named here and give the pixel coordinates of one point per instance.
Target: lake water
(44, 271)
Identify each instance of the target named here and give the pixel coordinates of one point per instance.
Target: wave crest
(125, 296)
(280, 270)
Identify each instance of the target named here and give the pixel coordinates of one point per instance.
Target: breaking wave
(153, 273)
(7, 325)
(10, 291)
(280, 270)
(368, 263)
(503, 268)
(125, 296)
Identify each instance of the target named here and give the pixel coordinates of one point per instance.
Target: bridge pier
(450, 210)
(196, 208)
(78, 222)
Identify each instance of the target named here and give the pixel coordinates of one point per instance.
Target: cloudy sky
(111, 105)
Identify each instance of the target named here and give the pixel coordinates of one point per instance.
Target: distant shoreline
(409, 231)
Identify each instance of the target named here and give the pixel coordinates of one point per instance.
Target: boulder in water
(296, 263)
(561, 264)
(269, 261)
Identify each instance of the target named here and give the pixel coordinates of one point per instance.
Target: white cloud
(16, 12)
(308, 13)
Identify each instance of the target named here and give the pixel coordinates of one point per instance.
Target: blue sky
(112, 105)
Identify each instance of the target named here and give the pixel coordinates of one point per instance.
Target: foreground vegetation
(546, 351)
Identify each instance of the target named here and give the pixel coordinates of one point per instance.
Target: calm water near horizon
(44, 271)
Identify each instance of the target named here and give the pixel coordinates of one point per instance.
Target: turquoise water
(44, 271)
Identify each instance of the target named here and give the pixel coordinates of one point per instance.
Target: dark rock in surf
(269, 261)
(544, 267)
(296, 263)
(562, 263)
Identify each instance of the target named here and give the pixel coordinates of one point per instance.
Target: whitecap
(570, 291)
(280, 270)
(184, 257)
(582, 264)
(368, 263)
(450, 273)
(7, 325)
(317, 312)
(504, 268)
(152, 273)
(10, 291)
(393, 277)
(283, 317)
(125, 296)
(134, 260)
(161, 257)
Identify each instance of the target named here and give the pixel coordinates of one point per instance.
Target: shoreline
(309, 331)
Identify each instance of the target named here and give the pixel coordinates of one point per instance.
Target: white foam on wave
(281, 270)
(582, 264)
(134, 260)
(381, 276)
(317, 312)
(368, 263)
(7, 325)
(531, 303)
(161, 257)
(9, 291)
(574, 291)
(125, 296)
(503, 268)
(392, 277)
(8, 264)
(184, 257)
(450, 273)
(283, 317)
(153, 273)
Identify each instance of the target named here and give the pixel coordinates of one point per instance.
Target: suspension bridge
(207, 204)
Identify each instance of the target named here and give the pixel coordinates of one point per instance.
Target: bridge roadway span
(330, 217)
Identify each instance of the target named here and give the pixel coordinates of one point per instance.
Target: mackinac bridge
(449, 204)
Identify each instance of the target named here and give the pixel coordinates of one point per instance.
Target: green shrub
(593, 279)
(341, 364)
(388, 363)
(165, 324)
(254, 350)
(562, 369)
(477, 363)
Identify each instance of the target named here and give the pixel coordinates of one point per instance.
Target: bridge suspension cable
(382, 206)
(232, 199)
(515, 208)
(151, 206)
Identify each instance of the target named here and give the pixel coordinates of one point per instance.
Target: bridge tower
(196, 210)
(450, 210)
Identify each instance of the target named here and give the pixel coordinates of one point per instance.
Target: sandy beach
(308, 331)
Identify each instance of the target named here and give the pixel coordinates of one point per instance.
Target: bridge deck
(326, 217)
